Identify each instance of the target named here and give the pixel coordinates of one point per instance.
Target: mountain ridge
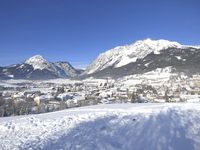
(37, 67)
(130, 59)
(136, 58)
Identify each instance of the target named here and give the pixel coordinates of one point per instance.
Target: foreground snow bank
(113, 127)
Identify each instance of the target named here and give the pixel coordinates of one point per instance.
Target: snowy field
(106, 127)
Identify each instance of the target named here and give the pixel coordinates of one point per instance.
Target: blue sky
(78, 30)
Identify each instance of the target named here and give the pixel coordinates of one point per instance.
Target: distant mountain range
(144, 56)
(37, 67)
(137, 58)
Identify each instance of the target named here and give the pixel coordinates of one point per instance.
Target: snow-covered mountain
(66, 69)
(38, 62)
(37, 67)
(124, 58)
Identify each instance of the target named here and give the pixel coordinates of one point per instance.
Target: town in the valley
(20, 97)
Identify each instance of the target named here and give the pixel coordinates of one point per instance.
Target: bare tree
(133, 97)
(167, 95)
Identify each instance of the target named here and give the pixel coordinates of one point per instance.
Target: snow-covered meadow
(113, 126)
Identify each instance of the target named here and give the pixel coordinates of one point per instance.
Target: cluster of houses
(47, 97)
(176, 89)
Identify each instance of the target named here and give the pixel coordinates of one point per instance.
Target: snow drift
(113, 127)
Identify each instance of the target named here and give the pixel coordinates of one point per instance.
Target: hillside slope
(113, 127)
(144, 56)
(38, 67)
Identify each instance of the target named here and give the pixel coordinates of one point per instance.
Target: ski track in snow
(103, 127)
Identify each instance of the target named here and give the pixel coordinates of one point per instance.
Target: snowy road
(106, 127)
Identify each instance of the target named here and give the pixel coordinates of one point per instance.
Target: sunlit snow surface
(38, 62)
(123, 55)
(112, 126)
